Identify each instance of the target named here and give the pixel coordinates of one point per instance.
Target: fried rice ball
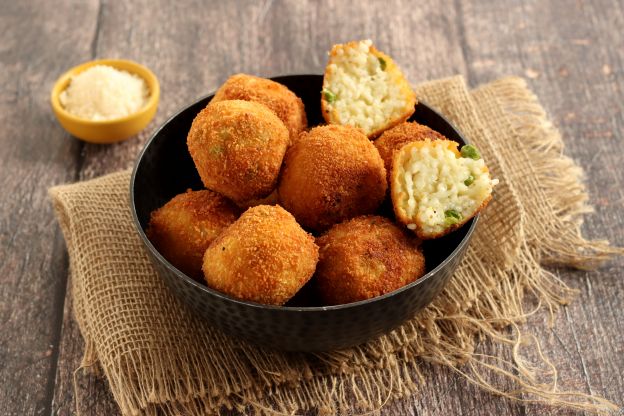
(238, 147)
(277, 97)
(365, 257)
(264, 257)
(363, 87)
(184, 227)
(437, 188)
(395, 138)
(330, 174)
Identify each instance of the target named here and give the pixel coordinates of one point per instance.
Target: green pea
(469, 181)
(382, 63)
(471, 152)
(329, 96)
(452, 216)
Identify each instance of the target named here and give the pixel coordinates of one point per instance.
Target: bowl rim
(62, 81)
(302, 309)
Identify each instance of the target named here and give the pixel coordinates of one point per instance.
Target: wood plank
(40, 40)
(572, 55)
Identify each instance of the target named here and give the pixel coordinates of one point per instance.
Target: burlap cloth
(159, 358)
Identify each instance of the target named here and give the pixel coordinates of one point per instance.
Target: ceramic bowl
(164, 169)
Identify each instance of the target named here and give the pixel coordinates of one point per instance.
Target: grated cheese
(104, 93)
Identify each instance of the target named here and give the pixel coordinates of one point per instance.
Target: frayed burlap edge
(560, 189)
(445, 333)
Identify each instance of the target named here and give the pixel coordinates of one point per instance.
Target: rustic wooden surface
(571, 52)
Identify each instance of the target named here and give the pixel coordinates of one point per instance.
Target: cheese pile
(104, 93)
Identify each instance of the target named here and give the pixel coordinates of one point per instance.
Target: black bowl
(165, 169)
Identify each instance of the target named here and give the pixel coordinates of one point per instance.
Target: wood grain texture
(572, 55)
(38, 40)
(571, 52)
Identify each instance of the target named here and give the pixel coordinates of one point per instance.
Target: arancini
(364, 88)
(238, 147)
(277, 97)
(365, 257)
(437, 188)
(330, 174)
(263, 257)
(184, 227)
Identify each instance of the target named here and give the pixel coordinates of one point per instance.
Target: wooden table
(572, 53)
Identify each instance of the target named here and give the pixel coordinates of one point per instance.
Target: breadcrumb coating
(277, 97)
(264, 257)
(330, 174)
(184, 227)
(365, 257)
(238, 147)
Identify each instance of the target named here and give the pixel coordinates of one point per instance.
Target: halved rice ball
(437, 188)
(364, 88)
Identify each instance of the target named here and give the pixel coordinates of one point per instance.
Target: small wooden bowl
(107, 131)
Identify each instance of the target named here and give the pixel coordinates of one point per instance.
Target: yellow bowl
(108, 131)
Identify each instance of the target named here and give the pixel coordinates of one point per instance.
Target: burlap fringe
(446, 333)
(560, 187)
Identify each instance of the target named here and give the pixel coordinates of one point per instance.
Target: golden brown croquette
(365, 257)
(436, 188)
(395, 138)
(264, 257)
(330, 174)
(277, 97)
(184, 227)
(238, 147)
